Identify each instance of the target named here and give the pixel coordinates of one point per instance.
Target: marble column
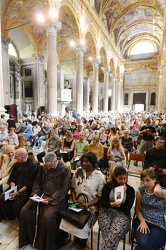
(6, 70)
(119, 94)
(79, 79)
(60, 75)
(1, 77)
(52, 29)
(106, 84)
(113, 99)
(162, 90)
(87, 92)
(39, 84)
(95, 91)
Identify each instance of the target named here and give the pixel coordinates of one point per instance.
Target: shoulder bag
(78, 219)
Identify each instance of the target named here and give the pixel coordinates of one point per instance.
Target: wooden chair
(137, 158)
(21, 141)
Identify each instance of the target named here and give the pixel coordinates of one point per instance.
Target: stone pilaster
(106, 84)
(95, 91)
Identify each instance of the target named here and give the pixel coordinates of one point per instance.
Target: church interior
(88, 56)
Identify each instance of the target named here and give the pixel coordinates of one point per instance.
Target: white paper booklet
(9, 192)
(76, 209)
(36, 198)
(119, 193)
(62, 151)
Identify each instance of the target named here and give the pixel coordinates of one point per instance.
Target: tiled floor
(9, 231)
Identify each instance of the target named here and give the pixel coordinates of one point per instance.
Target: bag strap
(84, 196)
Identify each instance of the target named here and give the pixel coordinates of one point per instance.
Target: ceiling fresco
(128, 19)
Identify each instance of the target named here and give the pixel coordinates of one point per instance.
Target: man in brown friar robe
(23, 175)
(52, 184)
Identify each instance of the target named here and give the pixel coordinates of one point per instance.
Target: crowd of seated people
(85, 156)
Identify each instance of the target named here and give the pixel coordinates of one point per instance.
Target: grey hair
(50, 157)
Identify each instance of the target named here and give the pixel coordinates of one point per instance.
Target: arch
(69, 31)
(90, 52)
(103, 57)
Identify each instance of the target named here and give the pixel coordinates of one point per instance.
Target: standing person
(89, 181)
(7, 166)
(155, 159)
(149, 224)
(147, 133)
(53, 183)
(114, 216)
(22, 176)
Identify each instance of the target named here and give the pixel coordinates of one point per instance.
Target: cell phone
(74, 204)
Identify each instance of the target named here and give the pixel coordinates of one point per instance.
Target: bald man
(23, 175)
(7, 166)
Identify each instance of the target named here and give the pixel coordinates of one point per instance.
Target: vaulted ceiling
(130, 21)
(126, 21)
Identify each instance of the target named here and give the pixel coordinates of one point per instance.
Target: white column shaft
(79, 81)
(106, 83)
(52, 70)
(95, 91)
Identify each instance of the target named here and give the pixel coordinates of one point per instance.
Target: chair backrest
(1, 161)
(21, 141)
(136, 157)
(105, 151)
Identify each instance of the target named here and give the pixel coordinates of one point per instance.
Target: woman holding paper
(149, 224)
(114, 214)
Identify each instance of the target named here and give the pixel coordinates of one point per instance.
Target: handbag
(78, 219)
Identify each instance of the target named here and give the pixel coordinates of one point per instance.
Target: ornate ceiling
(126, 21)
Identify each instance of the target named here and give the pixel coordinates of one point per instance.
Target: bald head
(10, 151)
(21, 155)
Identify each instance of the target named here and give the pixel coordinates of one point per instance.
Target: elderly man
(23, 175)
(156, 159)
(53, 145)
(7, 166)
(52, 184)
